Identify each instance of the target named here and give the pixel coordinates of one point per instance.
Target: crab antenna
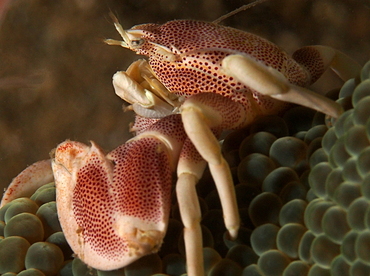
(242, 8)
(121, 31)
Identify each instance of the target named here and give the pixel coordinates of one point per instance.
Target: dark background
(55, 70)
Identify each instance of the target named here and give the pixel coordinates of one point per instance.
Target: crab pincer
(114, 209)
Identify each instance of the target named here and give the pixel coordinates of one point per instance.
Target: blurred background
(55, 70)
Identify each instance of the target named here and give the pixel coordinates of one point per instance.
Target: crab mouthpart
(131, 38)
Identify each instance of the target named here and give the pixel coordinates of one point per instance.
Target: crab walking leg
(312, 57)
(189, 170)
(28, 181)
(200, 114)
(270, 82)
(114, 209)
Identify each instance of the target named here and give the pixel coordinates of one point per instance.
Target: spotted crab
(199, 80)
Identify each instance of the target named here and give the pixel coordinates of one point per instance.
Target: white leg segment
(268, 81)
(226, 190)
(189, 170)
(198, 123)
(190, 216)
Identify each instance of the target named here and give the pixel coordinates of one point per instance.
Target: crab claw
(28, 181)
(113, 209)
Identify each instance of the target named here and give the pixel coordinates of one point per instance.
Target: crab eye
(137, 42)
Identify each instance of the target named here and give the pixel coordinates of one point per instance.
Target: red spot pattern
(229, 111)
(134, 181)
(142, 179)
(170, 126)
(199, 48)
(141, 187)
(311, 59)
(93, 208)
(142, 123)
(189, 152)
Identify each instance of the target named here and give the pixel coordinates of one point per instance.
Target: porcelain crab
(200, 79)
